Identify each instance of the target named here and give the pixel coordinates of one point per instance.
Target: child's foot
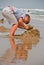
(11, 36)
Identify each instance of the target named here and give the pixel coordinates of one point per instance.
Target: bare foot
(11, 36)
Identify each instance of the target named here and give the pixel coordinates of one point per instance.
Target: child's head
(27, 19)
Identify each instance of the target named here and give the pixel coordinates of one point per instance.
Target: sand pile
(2, 20)
(30, 37)
(3, 29)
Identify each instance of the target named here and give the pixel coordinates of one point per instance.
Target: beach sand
(25, 49)
(20, 45)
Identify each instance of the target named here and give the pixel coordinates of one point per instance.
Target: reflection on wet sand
(20, 51)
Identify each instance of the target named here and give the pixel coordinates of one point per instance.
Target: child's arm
(21, 24)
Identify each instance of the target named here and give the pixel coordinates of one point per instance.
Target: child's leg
(14, 27)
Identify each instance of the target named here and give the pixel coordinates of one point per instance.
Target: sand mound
(2, 20)
(30, 37)
(3, 29)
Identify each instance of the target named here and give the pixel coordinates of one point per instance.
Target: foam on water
(31, 11)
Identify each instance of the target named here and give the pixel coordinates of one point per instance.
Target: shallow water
(23, 51)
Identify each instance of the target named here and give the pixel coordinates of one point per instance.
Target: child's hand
(26, 27)
(29, 27)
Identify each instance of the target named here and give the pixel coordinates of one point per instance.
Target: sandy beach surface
(25, 49)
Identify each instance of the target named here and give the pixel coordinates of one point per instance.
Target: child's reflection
(20, 52)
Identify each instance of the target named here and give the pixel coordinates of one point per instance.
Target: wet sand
(26, 49)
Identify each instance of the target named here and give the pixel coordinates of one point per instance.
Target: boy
(16, 17)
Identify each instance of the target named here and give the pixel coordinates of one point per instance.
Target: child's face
(26, 19)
